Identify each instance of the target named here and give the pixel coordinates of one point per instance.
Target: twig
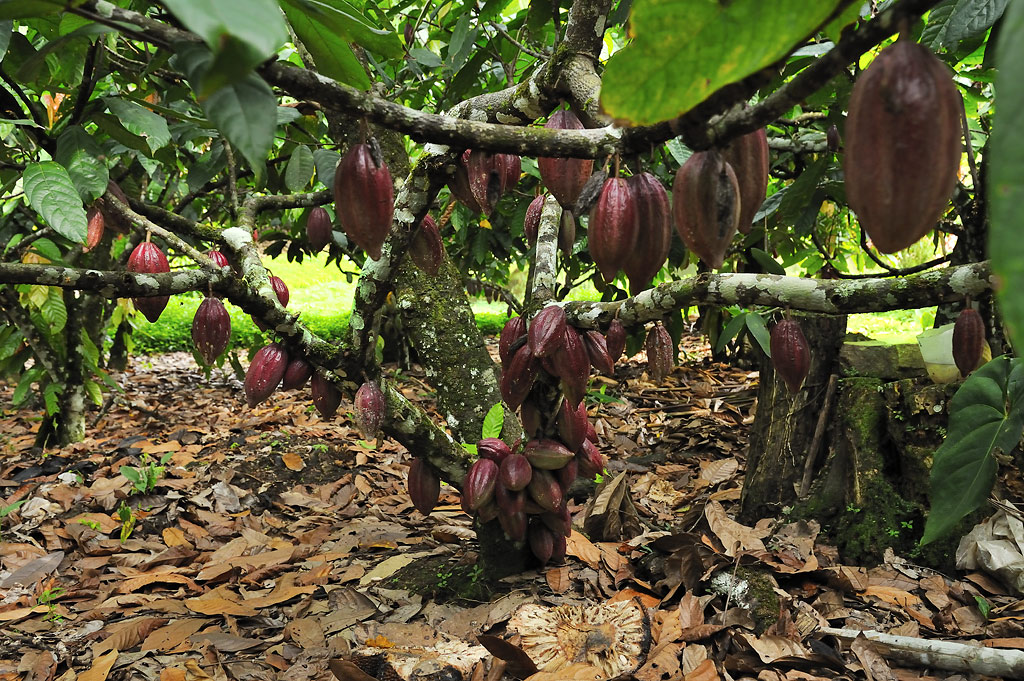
(521, 46)
(819, 434)
(232, 179)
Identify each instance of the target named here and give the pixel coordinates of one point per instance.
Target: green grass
(898, 326)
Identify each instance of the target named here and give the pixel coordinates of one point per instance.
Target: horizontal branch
(114, 284)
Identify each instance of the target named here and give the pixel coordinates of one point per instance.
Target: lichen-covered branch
(145, 223)
(412, 427)
(544, 271)
(111, 283)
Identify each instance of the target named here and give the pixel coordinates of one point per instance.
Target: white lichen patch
(147, 282)
(479, 115)
(356, 322)
(105, 9)
(236, 237)
(506, 119)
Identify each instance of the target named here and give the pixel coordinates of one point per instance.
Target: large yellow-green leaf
(683, 50)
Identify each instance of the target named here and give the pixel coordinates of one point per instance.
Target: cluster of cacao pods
(147, 258)
(272, 367)
(364, 198)
(902, 147)
(481, 178)
(791, 355)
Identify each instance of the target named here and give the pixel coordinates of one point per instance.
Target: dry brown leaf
(574, 672)
(719, 470)
(579, 546)
(906, 600)
(662, 663)
(172, 674)
(558, 579)
(875, 666)
(705, 671)
(172, 537)
(101, 667)
(771, 648)
(128, 634)
(166, 639)
(734, 536)
(293, 461)
(221, 601)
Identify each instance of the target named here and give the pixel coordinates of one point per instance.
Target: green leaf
(79, 153)
(47, 249)
(682, 51)
(257, 24)
(680, 152)
(246, 112)
(757, 328)
(957, 20)
(349, 24)
(53, 310)
(729, 332)
(425, 57)
(132, 474)
(330, 51)
(52, 194)
(140, 121)
(50, 394)
(494, 421)
(22, 9)
(846, 17)
(1006, 176)
(93, 390)
(25, 384)
(6, 28)
(300, 169)
(770, 265)
(326, 161)
(986, 415)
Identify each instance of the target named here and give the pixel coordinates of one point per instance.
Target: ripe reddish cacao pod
(296, 374)
(515, 472)
(147, 258)
(547, 331)
(486, 178)
(968, 340)
(514, 329)
(424, 486)
(514, 525)
(517, 378)
(532, 221)
(509, 501)
(654, 231)
(706, 205)
(573, 366)
(513, 167)
(459, 183)
(902, 150)
(426, 248)
(565, 177)
(364, 199)
(591, 433)
(558, 523)
(281, 290)
(549, 455)
(218, 258)
(487, 513)
(832, 139)
(478, 489)
(558, 551)
(369, 409)
(326, 396)
(530, 415)
(545, 490)
(661, 353)
(568, 473)
(748, 156)
(615, 339)
(319, 230)
(566, 232)
(572, 424)
(211, 329)
(94, 229)
(590, 460)
(791, 356)
(597, 351)
(494, 449)
(542, 541)
(265, 373)
(612, 233)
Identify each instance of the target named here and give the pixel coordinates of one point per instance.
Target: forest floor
(274, 545)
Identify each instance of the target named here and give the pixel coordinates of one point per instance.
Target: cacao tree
(147, 142)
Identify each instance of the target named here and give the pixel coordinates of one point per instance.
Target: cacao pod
(547, 331)
(558, 550)
(590, 460)
(832, 139)
(549, 455)
(545, 491)
(488, 513)
(565, 177)
(612, 232)
(211, 329)
(509, 501)
(326, 396)
(615, 339)
(706, 205)
(791, 355)
(513, 167)
(568, 473)
(572, 424)
(94, 229)
(494, 449)
(370, 408)
(515, 472)
(573, 365)
(426, 248)
(296, 374)
(530, 415)
(661, 353)
(364, 199)
(514, 525)
(218, 258)
(968, 340)
(748, 156)
(517, 378)
(459, 184)
(265, 373)
(591, 432)
(424, 486)
(478, 489)
(532, 221)
(147, 258)
(514, 329)
(281, 290)
(542, 541)
(558, 523)
(112, 217)
(597, 351)
(486, 178)
(654, 231)
(319, 230)
(902, 150)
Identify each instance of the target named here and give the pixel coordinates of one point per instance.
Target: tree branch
(544, 272)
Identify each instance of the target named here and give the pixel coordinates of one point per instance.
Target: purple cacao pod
(218, 258)
(424, 486)
(459, 183)
(615, 339)
(597, 351)
(514, 329)
(531, 224)
(530, 415)
(791, 356)
(706, 205)
(590, 460)
(265, 373)
(426, 248)
(319, 230)
(568, 473)
(296, 374)
(515, 472)
(572, 424)
(517, 378)
(565, 177)
(494, 449)
(549, 455)
(486, 178)
(558, 523)
(370, 408)
(281, 290)
(147, 258)
(364, 199)
(748, 156)
(326, 397)
(545, 490)
(654, 231)
(542, 541)
(613, 227)
(478, 488)
(573, 365)
(547, 331)
(558, 550)
(968, 340)
(514, 525)
(509, 501)
(512, 167)
(211, 329)
(661, 353)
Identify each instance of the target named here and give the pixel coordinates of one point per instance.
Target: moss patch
(445, 580)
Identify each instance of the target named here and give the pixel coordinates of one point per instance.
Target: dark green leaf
(330, 51)
(21, 9)
(326, 161)
(986, 416)
(729, 332)
(680, 152)
(140, 121)
(300, 169)
(6, 27)
(349, 24)
(246, 112)
(757, 328)
(25, 384)
(53, 310)
(958, 20)
(52, 194)
(713, 43)
(258, 23)
(47, 249)
(770, 265)
(494, 421)
(425, 57)
(79, 153)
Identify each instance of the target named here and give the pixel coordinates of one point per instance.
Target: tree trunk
(785, 422)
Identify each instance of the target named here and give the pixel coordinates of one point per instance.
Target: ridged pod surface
(426, 248)
(597, 351)
(968, 340)
(513, 167)
(265, 373)
(748, 156)
(615, 339)
(515, 472)
(369, 409)
(478, 487)
(95, 222)
(514, 525)
(902, 149)
(612, 232)
(530, 415)
(218, 258)
(494, 449)
(545, 490)
(281, 290)
(318, 229)
(509, 501)
(459, 183)
(296, 374)
(547, 331)
(791, 356)
(706, 205)
(590, 460)
(326, 396)
(661, 353)
(514, 329)
(364, 199)
(573, 366)
(549, 455)
(572, 424)
(542, 541)
(486, 178)
(211, 329)
(424, 486)
(517, 378)
(531, 223)
(147, 258)
(653, 234)
(565, 177)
